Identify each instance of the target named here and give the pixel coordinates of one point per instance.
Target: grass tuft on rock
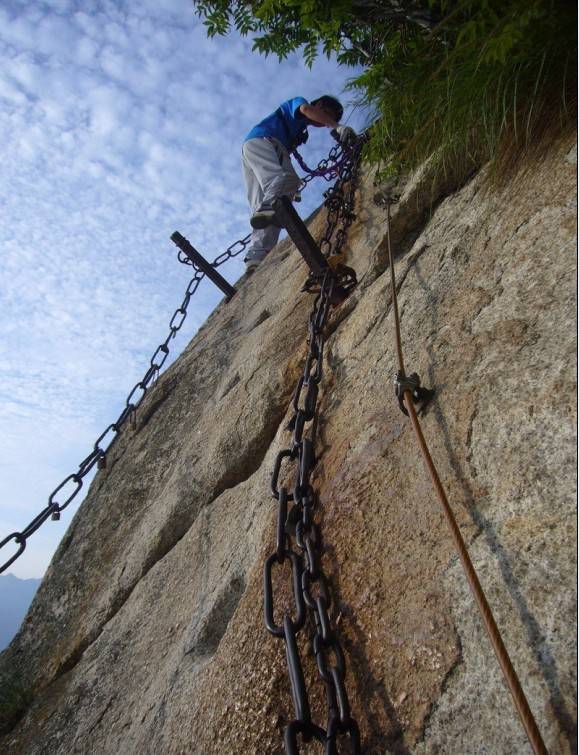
(490, 82)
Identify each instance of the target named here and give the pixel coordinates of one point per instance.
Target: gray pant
(268, 173)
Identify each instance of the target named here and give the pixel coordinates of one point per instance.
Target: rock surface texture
(147, 635)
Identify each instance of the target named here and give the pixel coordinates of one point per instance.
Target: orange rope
(519, 699)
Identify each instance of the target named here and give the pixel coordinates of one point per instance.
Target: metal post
(203, 265)
(310, 251)
(300, 235)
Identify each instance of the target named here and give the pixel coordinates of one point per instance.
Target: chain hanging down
(298, 538)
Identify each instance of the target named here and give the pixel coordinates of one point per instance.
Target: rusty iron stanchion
(202, 264)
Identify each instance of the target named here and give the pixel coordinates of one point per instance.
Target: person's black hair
(331, 103)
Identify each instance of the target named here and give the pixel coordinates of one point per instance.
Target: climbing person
(267, 167)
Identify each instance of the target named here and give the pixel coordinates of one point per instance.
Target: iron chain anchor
(411, 383)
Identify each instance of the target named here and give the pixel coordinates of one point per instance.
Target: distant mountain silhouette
(15, 597)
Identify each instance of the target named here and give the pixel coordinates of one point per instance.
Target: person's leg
(260, 164)
(262, 241)
(284, 183)
(271, 164)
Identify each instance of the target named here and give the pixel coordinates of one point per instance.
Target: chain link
(232, 251)
(328, 168)
(298, 537)
(69, 488)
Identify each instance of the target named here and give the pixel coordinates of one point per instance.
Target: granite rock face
(147, 634)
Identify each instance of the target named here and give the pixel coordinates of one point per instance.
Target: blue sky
(121, 122)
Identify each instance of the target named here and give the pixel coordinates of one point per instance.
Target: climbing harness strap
(405, 394)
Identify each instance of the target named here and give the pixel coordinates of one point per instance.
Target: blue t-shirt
(285, 125)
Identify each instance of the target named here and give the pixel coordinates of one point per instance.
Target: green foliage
(489, 85)
(15, 697)
(457, 81)
(314, 26)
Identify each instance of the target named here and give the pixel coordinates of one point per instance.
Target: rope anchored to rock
(406, 392)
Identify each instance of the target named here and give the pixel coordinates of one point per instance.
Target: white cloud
(10, 91)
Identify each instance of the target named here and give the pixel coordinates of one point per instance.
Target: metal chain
(69, 488)
(309, 585)
(329, 168)
(340, 203)
(232, 251)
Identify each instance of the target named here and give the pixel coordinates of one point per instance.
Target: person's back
(287, 124)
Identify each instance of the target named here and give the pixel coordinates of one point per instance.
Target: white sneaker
(263, 218)
(251, 266)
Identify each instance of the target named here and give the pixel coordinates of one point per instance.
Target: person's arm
(318, 115)
(321, 117)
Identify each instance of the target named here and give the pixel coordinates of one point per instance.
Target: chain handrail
(72, 484)
(309, 585)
